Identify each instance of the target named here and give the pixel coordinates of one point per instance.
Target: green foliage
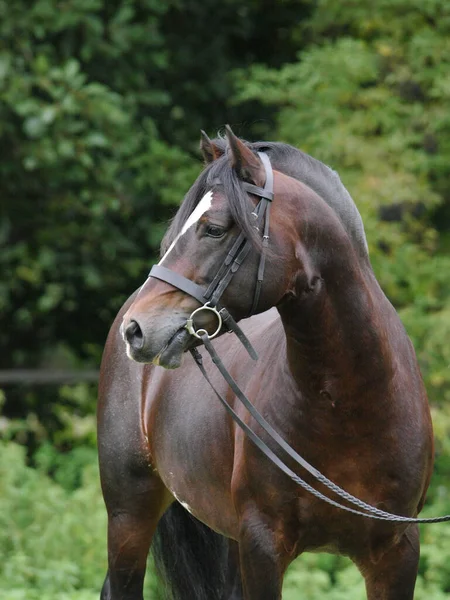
(52, 537)
(67, 469)
(50, 543)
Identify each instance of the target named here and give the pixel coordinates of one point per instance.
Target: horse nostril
(134, 335)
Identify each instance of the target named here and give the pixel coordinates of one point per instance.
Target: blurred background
(101, 104)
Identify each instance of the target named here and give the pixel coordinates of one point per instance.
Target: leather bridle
(209, 299)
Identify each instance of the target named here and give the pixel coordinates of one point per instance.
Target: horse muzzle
(162, 340)
(156, 341)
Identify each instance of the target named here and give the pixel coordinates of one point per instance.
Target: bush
(52, 541)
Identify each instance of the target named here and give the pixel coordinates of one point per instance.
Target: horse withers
(336, 377)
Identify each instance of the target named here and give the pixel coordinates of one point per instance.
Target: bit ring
(190, 322)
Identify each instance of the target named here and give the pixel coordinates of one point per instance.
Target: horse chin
(171, 356)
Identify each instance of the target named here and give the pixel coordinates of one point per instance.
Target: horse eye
(215, 231)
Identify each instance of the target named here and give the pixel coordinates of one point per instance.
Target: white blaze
(199, 210)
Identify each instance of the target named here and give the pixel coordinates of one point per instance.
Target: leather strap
(267, 191)
(262, 262)
(257, 191)
(237, 262)
(235, 256)
(234, 259)
(178, 281)
(233, 327)
(225, 265)
(265, 213)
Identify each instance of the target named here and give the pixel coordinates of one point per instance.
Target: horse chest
(192, 451)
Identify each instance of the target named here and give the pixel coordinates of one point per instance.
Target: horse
(337, 378)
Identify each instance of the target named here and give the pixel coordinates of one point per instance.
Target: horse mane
(284, 158)
(325, 182)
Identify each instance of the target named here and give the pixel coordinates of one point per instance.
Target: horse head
(219, 212)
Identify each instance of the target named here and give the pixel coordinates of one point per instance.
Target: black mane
(324, 181)
(288, 160)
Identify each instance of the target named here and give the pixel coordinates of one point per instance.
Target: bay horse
(337, 378)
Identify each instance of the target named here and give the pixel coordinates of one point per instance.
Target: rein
(209, 299)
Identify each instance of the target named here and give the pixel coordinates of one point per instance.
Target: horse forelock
(238, 201)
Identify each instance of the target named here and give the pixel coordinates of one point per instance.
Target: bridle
(209, 299)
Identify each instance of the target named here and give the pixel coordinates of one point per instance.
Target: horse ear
(247, 165)
(209, 149)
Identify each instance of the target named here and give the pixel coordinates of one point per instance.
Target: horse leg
(393, 577)
(262, 563)
(132, 519)
(135, 499)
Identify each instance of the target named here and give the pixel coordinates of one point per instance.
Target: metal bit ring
(190, 322)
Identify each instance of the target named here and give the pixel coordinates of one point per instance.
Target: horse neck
(340, 332)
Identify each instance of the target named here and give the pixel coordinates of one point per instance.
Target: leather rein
(209, 299)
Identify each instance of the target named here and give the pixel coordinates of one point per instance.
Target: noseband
(209, 297)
